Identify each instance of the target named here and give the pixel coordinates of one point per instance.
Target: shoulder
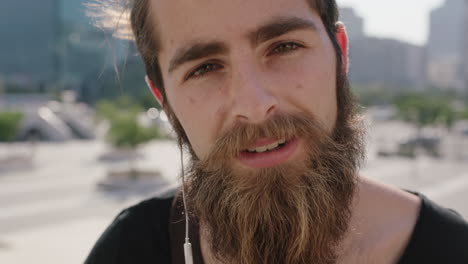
(440, 236)
(406, 227)
(138, 234)
(387, 217)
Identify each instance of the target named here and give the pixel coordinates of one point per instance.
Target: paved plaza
(52, 210)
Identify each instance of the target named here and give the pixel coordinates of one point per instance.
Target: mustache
(280, 126)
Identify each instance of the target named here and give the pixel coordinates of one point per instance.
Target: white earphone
(187, 246)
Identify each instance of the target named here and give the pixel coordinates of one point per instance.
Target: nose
(253, 99)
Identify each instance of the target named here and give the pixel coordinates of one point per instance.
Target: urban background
(81, 137)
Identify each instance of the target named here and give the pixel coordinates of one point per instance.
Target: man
(257, 92)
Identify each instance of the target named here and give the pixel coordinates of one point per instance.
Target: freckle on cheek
(299, 87)
(191, 100)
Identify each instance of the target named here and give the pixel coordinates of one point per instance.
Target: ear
(342, 38)
(155, 91)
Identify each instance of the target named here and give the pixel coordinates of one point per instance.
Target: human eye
(202, 70)
(285, 47)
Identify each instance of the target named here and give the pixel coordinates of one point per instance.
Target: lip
(269, 158)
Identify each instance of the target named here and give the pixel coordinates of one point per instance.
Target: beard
(295, 212)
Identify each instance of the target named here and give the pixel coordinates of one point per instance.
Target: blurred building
(445, 45)
(383, 62)
(465, 47)
(54, 43)
(354, 23)
(387, 62)
(29, 32)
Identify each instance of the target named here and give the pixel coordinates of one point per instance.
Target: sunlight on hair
(111, 15)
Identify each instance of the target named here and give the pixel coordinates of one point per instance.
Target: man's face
(229, 62)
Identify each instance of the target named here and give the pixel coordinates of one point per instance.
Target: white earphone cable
(187, 246)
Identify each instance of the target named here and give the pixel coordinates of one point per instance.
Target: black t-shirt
(141, 234)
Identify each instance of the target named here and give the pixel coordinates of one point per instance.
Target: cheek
(199, 118)
(310, 84)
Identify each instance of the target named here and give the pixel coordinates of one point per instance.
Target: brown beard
(296, 212)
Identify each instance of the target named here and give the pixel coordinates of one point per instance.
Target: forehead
(181, 21)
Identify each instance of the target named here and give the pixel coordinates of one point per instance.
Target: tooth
(261, 149)
(272, 146)
(267, 147)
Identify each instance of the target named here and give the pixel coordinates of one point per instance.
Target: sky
(406, 20)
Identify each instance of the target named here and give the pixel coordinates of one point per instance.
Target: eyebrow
(195, 51)
(270, 30)
(279, 26)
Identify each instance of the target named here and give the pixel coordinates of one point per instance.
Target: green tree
(9, 125)
(374, 95)
(463, 114)
(125, 130)
(110, 109)
(425, 110)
